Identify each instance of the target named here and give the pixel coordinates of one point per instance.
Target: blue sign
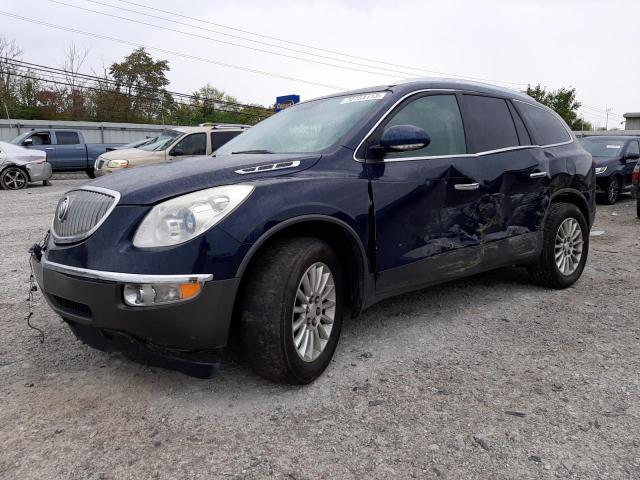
(286, 101)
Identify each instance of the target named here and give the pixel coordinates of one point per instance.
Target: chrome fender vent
(268, 167)
(81, 212)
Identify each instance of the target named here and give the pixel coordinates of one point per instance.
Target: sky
(340, 45)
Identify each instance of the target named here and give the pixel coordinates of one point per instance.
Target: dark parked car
(635, 180)
(315, 213)
(615, 159)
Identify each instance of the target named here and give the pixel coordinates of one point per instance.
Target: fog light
(148, 295)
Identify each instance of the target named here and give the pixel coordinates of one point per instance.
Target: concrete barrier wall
(94, 132)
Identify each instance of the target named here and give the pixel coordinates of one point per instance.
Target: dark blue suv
(318, 212)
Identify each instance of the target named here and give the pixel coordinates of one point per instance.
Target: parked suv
(170, 145)
(615, 159)
(316, 213)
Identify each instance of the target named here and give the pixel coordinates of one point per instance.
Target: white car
(171, 145)
(20, 166)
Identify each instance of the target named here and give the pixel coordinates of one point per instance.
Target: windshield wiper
(251, 151)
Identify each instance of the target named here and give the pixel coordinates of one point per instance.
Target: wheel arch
(337, 233)
(570, 195)
(21, 167)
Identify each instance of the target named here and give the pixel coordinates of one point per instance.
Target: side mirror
(28, 142)
(176, 152)
(632, 156)
(404, 138)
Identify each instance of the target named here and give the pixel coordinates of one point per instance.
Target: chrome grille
(80, 212)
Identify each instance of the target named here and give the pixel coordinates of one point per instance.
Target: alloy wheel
(568, 246)
(314, 312)
(15, 179)
(614, 190)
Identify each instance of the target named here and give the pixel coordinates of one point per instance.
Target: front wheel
(612, 192)
(14, 178)
(565, 247)
(292, 310)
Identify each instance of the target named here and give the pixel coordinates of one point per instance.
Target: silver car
(20, 166)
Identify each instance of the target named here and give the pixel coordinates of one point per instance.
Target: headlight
(600, 170)
(180, 219)
(118, 164)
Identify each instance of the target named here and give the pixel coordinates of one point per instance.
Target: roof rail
(224, 125)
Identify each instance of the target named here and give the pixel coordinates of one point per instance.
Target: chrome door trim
(466, 186)
(537, 174)
(462, 155)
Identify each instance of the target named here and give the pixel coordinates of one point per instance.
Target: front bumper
(39, 172)
(94, 299)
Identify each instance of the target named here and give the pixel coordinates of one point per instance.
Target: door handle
(537, 174)
(466, 186)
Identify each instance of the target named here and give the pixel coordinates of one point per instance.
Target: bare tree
(9, 53)
(73, 89)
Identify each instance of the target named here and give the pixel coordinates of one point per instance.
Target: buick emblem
(63, 209)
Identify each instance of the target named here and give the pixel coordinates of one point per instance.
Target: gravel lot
(488, 377)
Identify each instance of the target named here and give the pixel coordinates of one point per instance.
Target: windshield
(308, 127)
(603, 147)
(20, 138)
(162, 142)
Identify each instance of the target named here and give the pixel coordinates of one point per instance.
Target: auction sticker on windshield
(363, 98)
(614, 146)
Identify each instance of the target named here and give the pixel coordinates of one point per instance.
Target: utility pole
(606, 126)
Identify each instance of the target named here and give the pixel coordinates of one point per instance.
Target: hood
(20, 155)
(601, 161)
(153, 183)
(129, 154)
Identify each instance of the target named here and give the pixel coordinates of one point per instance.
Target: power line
(57, 81)
(84, 76)
(404, 74)
(171, 52)
(290, 42)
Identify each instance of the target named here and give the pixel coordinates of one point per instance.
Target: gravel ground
(488, 377)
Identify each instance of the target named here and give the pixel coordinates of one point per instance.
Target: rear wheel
(638, 205)
(292, 310)
(565, 247)
(91, 173)
(14, 178)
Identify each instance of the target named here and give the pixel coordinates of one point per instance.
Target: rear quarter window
(490, 123)
(547, 128)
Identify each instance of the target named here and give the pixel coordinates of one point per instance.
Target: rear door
(71, 154)
(220, 137)
(514, 174)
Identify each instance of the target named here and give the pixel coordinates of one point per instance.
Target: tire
(91, 173)
(638, 205)
(267, 317)
(546, 271)
(46, 183)
(612, 190)
(14, 178)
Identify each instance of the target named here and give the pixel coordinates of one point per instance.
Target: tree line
(133, 90)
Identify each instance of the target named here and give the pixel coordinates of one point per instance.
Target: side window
(633, 147)
(440, 116)
(220, 138)
(490, 123)
(523, 134)
(194, 144)
(41, 138)
(547, 129)
(67, 138)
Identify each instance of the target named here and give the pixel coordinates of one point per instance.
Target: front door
(42, 141)
(630, 163)
(434, 206)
